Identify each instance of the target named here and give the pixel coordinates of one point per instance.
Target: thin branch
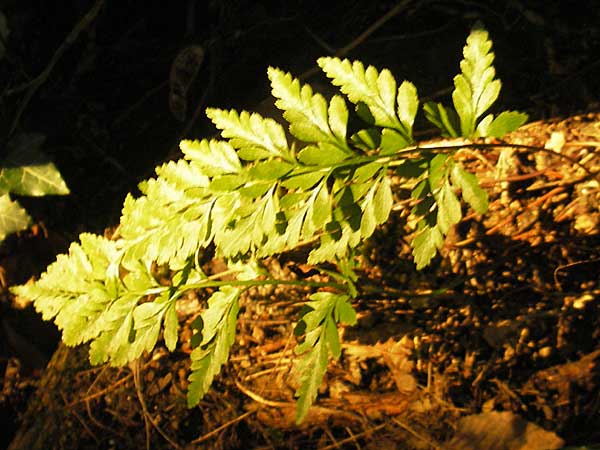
(42, 77)
(403, 5)
(222, 427)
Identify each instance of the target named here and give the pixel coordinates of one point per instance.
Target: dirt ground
(496, 345)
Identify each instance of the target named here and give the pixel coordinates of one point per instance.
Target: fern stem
(267, 282)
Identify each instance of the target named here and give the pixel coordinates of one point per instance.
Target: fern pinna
(256, 194)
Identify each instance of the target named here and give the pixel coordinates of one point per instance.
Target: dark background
(104, 106)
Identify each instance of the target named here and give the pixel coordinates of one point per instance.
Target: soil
(496, 345)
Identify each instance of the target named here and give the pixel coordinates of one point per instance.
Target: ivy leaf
(13, 217)
(472, 193)
(475, 88)
(27, 171)
(218, 335)
(254, 136)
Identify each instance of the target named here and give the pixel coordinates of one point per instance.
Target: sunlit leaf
(472, 193)
(13, 217)
(27, 171)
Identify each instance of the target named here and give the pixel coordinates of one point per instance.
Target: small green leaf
(13, 218)
(321, 156)
(226, 183)
(216, 157)
(445, 119)
(270, 170)
(333, 339)
(506, 122)
(304, 180)
(376, 90)
(218, 334)
(437, 171)
(472, 193)
(338, 116)
(250, 131)
(426, 244)
(320, 335)
(475, 89)
(392, 141)
(449, 210)
(383, 201)
(367, 221)
(321, 209)
(312, 368)
(412, 168)
(366, 172)
(311, 119)
(367, 139)
(408, 104)
(171, 325)
(344, 311)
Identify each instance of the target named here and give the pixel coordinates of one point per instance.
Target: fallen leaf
(501, 431)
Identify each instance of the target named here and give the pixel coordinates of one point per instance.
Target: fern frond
(376, 90)
(311, 119)
(253, 136)
(475, 88)
(218, 335)
(320, 339)
(77, 288)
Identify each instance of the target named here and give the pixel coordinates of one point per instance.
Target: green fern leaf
(77, 289)
(506, 122)
(377, 91)
(445, 119)
(171, 325)
(218, 334)
(475, 88)
(408, 104)
(426, 244)
(254, 136)
(311, 118)
(449, 209)
(147, 320)
(320, 339)
(472, 193)
(215, 157)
